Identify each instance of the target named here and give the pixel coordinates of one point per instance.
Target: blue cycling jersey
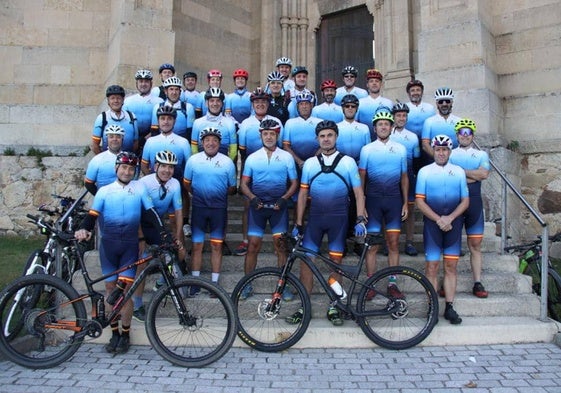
(101, 169)
(238, 105)
(410, 141)
(249, 137)
(368, 107)
(383, 163)
(168, 201)
(417, 116)
(192, 97)
(124, 120)
(184, 120)
(438, 125)
(142, 107)
(327, 111)
(221, 122)
(172, 142)
(341, 92)
(352, 138)
(442, 187)
(300, 136)
(471, 159)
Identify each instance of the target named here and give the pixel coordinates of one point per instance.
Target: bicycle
(52, 322)
(530, 257)
(390, 322)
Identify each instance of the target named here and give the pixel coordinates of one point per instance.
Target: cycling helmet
(327, 125)
(190, 74)
(214, 92)
(299, 70)
(214, 73)
(240, 72)
(115, 89)
(127, 158)
(167, 66)
(349, 99)
(166, 157)
(259, 93)
(270, 124)
(284, 61)
(400, 107)
(210, 131)
(326, 84)
(115, 129)
(143, 74)
(441, 140)
(275, 76)
(466, 123)
(443, 93)
(374, 73)
(414, 82)
(172, 81)
(166, 110)
(349, 70)
(382, 115)
(304, 96)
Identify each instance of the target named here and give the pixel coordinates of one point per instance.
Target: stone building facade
(501, 57)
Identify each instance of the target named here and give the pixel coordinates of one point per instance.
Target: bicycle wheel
(48, 325)
(200, 337)
(404, 322)
(262, 316)
(554, 294)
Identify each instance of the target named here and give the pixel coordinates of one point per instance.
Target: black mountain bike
(50, 321)
(395, 323)
(530, 256)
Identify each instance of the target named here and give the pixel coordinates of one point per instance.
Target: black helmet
(214, 92)
(349, 99)
(190, 74)
(115, 89)
(299, 70)
(166, 110)
(270, 124)
(349, 70)
(400, 107)
(325, 125)
(167, 66)
(259, 93)
(127, 158)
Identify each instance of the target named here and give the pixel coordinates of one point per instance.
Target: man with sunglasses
(442, 123)
(475, 163)
(350, 74)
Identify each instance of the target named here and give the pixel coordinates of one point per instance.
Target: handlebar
(539, 241)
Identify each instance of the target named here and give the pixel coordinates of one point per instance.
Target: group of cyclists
(355, 163)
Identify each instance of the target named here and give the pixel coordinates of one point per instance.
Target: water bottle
(523, 266)
(337, 288)
(117, 292)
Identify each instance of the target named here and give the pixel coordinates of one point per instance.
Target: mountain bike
(530, 257)
(51, 321)
(389, 321)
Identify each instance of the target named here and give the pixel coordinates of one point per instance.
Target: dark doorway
(345, 38)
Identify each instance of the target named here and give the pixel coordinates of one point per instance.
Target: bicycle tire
(202, 339)
(264, 330)
(40, 345)
(413, 317)
(554, 294)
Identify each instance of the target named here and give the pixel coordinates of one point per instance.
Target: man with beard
(300, 75)
(419, 110)
(328, 110)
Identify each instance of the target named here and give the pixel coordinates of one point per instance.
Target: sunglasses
(163, 192)
(349, 76)
(465, 132)
(349, 106)
(444, 101)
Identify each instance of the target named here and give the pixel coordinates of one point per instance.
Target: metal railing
(507, 184)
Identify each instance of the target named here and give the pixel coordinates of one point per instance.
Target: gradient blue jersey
(119, 208)
(167, 202)
(210, 178)
(368, 107)
(327, 191)
(184, 120)
(125, 121)
(438, 125)
(442, 187)
(352, 138)
(327, 111)
(238, 105)
(172, 142)
(142, 107)
(384, 163)
(101, 169)
(471, 159)
(341, 92)
(410, 141)
(417, 116)
(226, 126)
(269, 175)
(192, 97)
(300, 135)
(249, 137)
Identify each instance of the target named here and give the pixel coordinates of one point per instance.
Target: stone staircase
(509, 315)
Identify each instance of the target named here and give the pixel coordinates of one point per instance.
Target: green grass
(13, 255)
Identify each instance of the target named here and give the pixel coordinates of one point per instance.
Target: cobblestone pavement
(489, 368)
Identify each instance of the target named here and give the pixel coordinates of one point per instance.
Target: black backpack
(104, 120)
(330, 169)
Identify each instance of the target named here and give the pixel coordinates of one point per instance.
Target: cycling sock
(126, 330)
(115, 328)
(185, 220)
(196, 273)
(137, 301)
(214, 277)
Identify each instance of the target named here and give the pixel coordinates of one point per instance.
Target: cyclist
(328, 110)
(209, 177)
(185, 111)
(350, 74)
(165, 192)
(190, 94)
(169, 141)
(370, 104)
(166, 70)
(269, 180)
(411, 142)
(383, 174)
(250, 140)
(300, 75)
(142, 104)
(119, 206)
(327, 179)
(214, 79)
(419, 110)
(442, 123)
(237, 104)
(280, 97)
(101, 168)
(284, 66)
(475, 163)
(352, 134)
(115, 115)
(442, 196)
(214, 98)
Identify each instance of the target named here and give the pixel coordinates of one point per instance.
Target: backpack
(104, 120)
(330, 169)
(162, 93)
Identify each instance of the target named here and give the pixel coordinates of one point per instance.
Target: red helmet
(259, 93)
(374, 73)
(327, 84)
(240, 72)
(216, 73)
